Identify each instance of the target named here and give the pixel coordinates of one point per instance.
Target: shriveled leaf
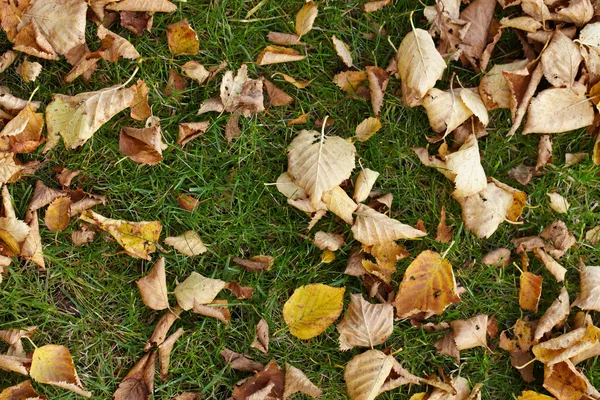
(15, 364)
(153, 287)
(445, 110)
(471, 332)
(372, 227)
(29, 70)
(558, 203)
(566, 346)
(140, 109)
(189, 131)
(564, 381)
(115, 46)
(137, 238)
(378, 81)
(328, 241)
(182, 39)
(197, 289)
(365, 324)
(162, 327)
(32, 248)
(312, 308)
(261, 340)
(22, 391)
(444, 232)
(338, 202)
(240, 362)
(446, 345)
(551, 264)
(267, 384)
(240, 292)
(164, 353)
(58, 214)
(278, 54)
(530, 290)
(589, 289)
(352, 82)
(53, 365)
(255, 263)
(138, 384)
(150, 6)
(493, 88)
(43, 195)
(284, 39)
(188, 243)
(522, 85)
(305, 18)
(554, 315)
(277, 97)
(296, 381)
(428, 286)
(364, 184)
(217, 309)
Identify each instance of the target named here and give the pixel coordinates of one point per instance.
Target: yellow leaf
(58, 214)
(530, 291)
(428, 286)
(531, 395)
(182, 39)
(312, 308)
(197, 289)
(137, 238)
(305, 18)
(52, 364)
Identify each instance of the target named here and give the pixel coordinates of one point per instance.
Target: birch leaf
(470, 333)
(305, 18)
(188, 243)
(153, 287)
(296, 381)
(53, 365)
(342, 50)
(197, 289)
(365, 324)
(150, 6)
(589, 289)
(554, 315)
(372, 227)
(561, 60)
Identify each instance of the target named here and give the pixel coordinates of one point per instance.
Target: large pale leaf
(365, 324)
(420, 66)
(305, 18)
(428, 286)
(372, 227)
(153, 287)
(77, 118)
(197, 289)
(143, 5)
(445, 110)
(561, 60)
(312, 308)
(566, 346)
(52, 364)
(589, 289)
(137, 238)
(318, 163)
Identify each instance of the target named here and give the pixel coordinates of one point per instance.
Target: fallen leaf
(175, 85)
(22, 391)
(523, 362)
(560, 60)
(378, 81)
(255, 263)
(278, 54)
(140, 109)
(190, 396)
(182, 39)
(338, 202)
(302, 119)
(43, 195)
(142, 145)
(551, 264)
(564, 381)
(562, 348)
(328, 241)
(153, 287)
(137, 238)
(52, 364)
(522, 85)
(471, 332)
(277, 97)
(593, 235)
(367, 128)
(7, 58)
(312, 308)
(420, 66)
(240, 362)
(364, 184)
(530, 290)
(289, 79)
(558, 203)
(296, 381)
(115, 46)
(164, 353)
(187, 202)
(446, 345)
(32, 248)
(319, 165)
(428, 286)
(189, 131)
(493, 87)
(239, 94)
(574, 159)
(217, 309)
(284, 39)
(150, 6)
(578, 12)
(373, 6)
(365, 324)
(445, 110)
(16, 364)
(261, 340)
(386, 255)
(240, 292)
(162, 327)
(342, 51)
(66, 176)
(352, 82)
(444, 232)
(138, 384)
(197, 289)
(23, 134)
(559, 235)
(29, 71)
(188, 243)
(267, 384)
(479, 14)
(554, 315)
(531, 395)
(372, 227)
(589, 289)
(58, 214)
(305, 18)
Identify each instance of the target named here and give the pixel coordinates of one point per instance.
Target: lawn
(87, 299)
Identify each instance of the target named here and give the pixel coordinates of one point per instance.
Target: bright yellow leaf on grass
(312, 308)
(531, 395)
(53, 365)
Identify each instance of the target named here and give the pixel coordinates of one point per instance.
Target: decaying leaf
(197, 289)
(470, 333)
(277, 97)
(217, 309)
(589, 289)
(551, 264)
(558, 203)
(296, 381)
(29, 70)
(191, 130)
(444, 232)
(240, 362)
(188, 243)
(365, 324)
(342, 50)
(255, 263)
(162, 327)
(137, 238)
(364, 184)
(352, 82)
(150, 6)
(372, 227)
(312, 308)
(267, 384)
(187, 202)
(164, 353)
(284, 39)
(58, 214)
(328, 241)
(564, 381)
(153, 287)
(493, 87)
(22, 391)
(53, 365)
(142, 145)
(530, 290)
(554, 315)
(182, 39)
(138, 384)
(261, 341)
(560, 60)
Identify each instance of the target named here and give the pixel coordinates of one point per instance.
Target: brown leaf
(522, 84)
(175, 84)
(216, 309)
(182, 39)
(277, 97)
(446, 345)
(139, 382)
(365, 324)
(240, 362)
(277, 54)
(305, 18)
(521, 360)
(589, 289)
(239, 94)
(352, 82)
(164, 353)
(378, 81)
(58, 214)
(191, 130)
(136, 21)
(187, 202)
(22, 391)
(551, 265)
(372, 227)
(140, 110)
(444, 232)
(328, 241)
(296, 381)
(284, 39)
(500, 257)
(162, 327)
(267, 384)
(65, 177)
(261, 340)
(428, 285)
(188, 396)
(479, 13)
(255, 264)
(564, 381)
(83, 236)
(153, 287)
(29, 71)
(232, 129)
(115, 46)
(9, 56)
(53, 365)
(373, 6)
(150, 6)
(240, 292)
(558, 234)
(470, 333)
(493, 87)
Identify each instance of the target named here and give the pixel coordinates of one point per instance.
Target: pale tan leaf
(191, 130)
(162, 327)
(589, 289)
(329, 241)
(419, 66)
(293, 81)
(364, 184)
(558, 110)
(53, 365)
(288, 188)
(196, 71)
(523, 23)
(554, 315)
(9, 169)
(305, 18)
(153, 287)
(567, 345)
(22, 391)
(164, 353)
(493, 88)
(277, 54)
(77, 118)
(593, 235)
(367, 128)
(352, 82)
(240, 94)
(365, 324)
(143, 5)
(115, 46)
(372, 227)
(499, 257)
(590, 35)
(558, 203)
(373, 6)
(217, 309)
(296, 381)
(472, 100)
(339, 203)
(445, 110)
(15, 364)
(471, 332)
(551, 264)
(564, 381)
(261, 340)
(138, 384)
(342, 51)
(319, 165)
(578, 12)
(7, 58)
(29, 70)
(188, 243)
(197, 289)
(284, 39)
(561, 60)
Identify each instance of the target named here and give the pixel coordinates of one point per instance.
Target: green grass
(87, 299)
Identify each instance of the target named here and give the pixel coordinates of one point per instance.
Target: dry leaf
(188, 243)
(338, 202)
(428, 286)
(373, 6)
(444, 232)
(378, 81)
(289, 79)
(153, 287)
(138, 384)
(29, 71)
(530, 290)
(164, 353)
(70, 116)
(342, 51)
(175, 84)
(58, 214)
(574, 159)
(150, 6)
(22, 391)
(365, 324)
(137, 238)
(493, 87)
(197, 289)
(589, 289)
(445, 110)
(558, 203)
(52, 364)
(566, 346)
(182, 39)
(255, 263)
(305, 18)
(239, 94)
(115, 46)
(143, 145)
(312, 308)
(284, 39)
(372, 227)
(16, 364)
(43, 195)
(419, 66)
(364, 184)
(564, 381)
(302, 119)
(367, 128)
(188, 396)
(240, 292)
(196, 71)
(556, 314)
(352, 82)
(162, 327)
(66, 176)
(471, 332)
(479, 14)
(500, 257)
(593, 235)
(277, 97)
(8, 57)
(296, 381)
(328, 241)
(447, 346)
(560, 237)
(23, 134)
(522, 85)
(373, 372)
(278, 54)
(551, 265)
(261, 340)
(560, 60)
(140, 110)
(191, 130)
(267, 384)
(240, 362)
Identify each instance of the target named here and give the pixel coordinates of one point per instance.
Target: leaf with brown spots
(182, 39)
(53, 365)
